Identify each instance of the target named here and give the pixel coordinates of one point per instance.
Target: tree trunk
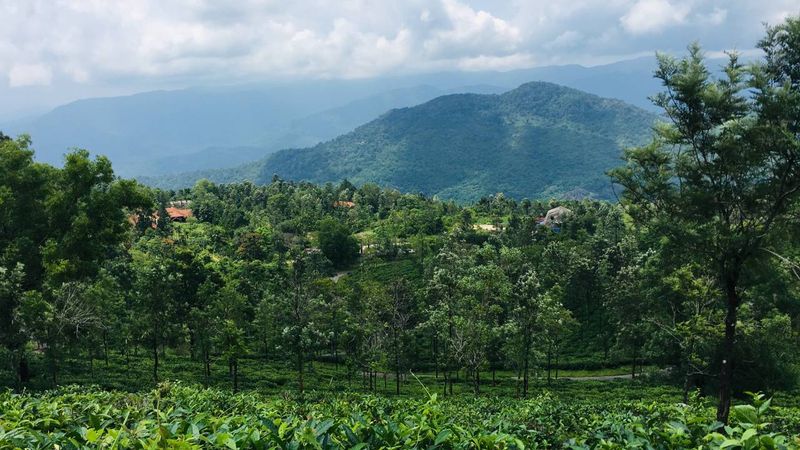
(435, 357)
(549, 358)
(155, 360)
(633, 365)
(235, 376)
(207, 365)
(105, 346)
(192, 347)
(23, 369)
(300, 372)
(726, 372)
(525, 376)
(397, 364)
(686, 384)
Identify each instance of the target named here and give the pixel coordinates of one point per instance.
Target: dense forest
(689, 284)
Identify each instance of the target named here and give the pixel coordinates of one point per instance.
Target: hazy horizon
(56, 52)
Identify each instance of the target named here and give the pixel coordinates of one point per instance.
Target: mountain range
(168, 132)
(538, 140)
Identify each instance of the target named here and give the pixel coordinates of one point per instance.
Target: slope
(538, 140)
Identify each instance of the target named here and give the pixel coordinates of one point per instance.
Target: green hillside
(538, 140)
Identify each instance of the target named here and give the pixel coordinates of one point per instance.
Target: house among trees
(554, 218)
(343, 204)
(178, 214)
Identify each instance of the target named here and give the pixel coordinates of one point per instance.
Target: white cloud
(569, 38)
(29, 75)
(184, 42)
(652, 16)
(715, 17)
(471, 33)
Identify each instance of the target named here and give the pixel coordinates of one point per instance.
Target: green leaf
(727, 443)
(764, 407)
(441, 437)
(323, 427)
(748, 434)
(230, 443)
(93, 435)
(746, 414)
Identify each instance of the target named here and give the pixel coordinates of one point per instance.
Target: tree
(536, 322)
(12, 340)
(58, 223)
(336, 243)
(87, 216)
(154, 298)
(721, 176)
(24, 187)
(444, 290)
(53, 317)
(298, 309)
(231, 341)
(398, 318)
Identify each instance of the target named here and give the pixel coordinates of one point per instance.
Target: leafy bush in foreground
(177, 416)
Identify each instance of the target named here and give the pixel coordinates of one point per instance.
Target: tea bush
(186, 417)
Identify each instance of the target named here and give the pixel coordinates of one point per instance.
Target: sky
(52, 51)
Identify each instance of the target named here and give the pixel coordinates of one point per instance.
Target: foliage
(336, 242)
(178, 416)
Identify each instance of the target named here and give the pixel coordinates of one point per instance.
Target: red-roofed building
(179, 214)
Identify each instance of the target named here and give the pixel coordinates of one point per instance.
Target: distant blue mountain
(167, 132)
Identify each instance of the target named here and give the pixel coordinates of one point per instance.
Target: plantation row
(177, 416)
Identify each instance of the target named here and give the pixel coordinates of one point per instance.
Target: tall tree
(298, 308)
(155, 297)
(398, 316)
(720, 177)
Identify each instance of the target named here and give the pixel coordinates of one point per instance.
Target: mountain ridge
(146, 133)
(464, 146)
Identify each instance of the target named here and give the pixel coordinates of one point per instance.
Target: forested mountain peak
(537, 140)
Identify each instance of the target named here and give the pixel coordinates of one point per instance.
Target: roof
(343, 204)
(178, 213)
